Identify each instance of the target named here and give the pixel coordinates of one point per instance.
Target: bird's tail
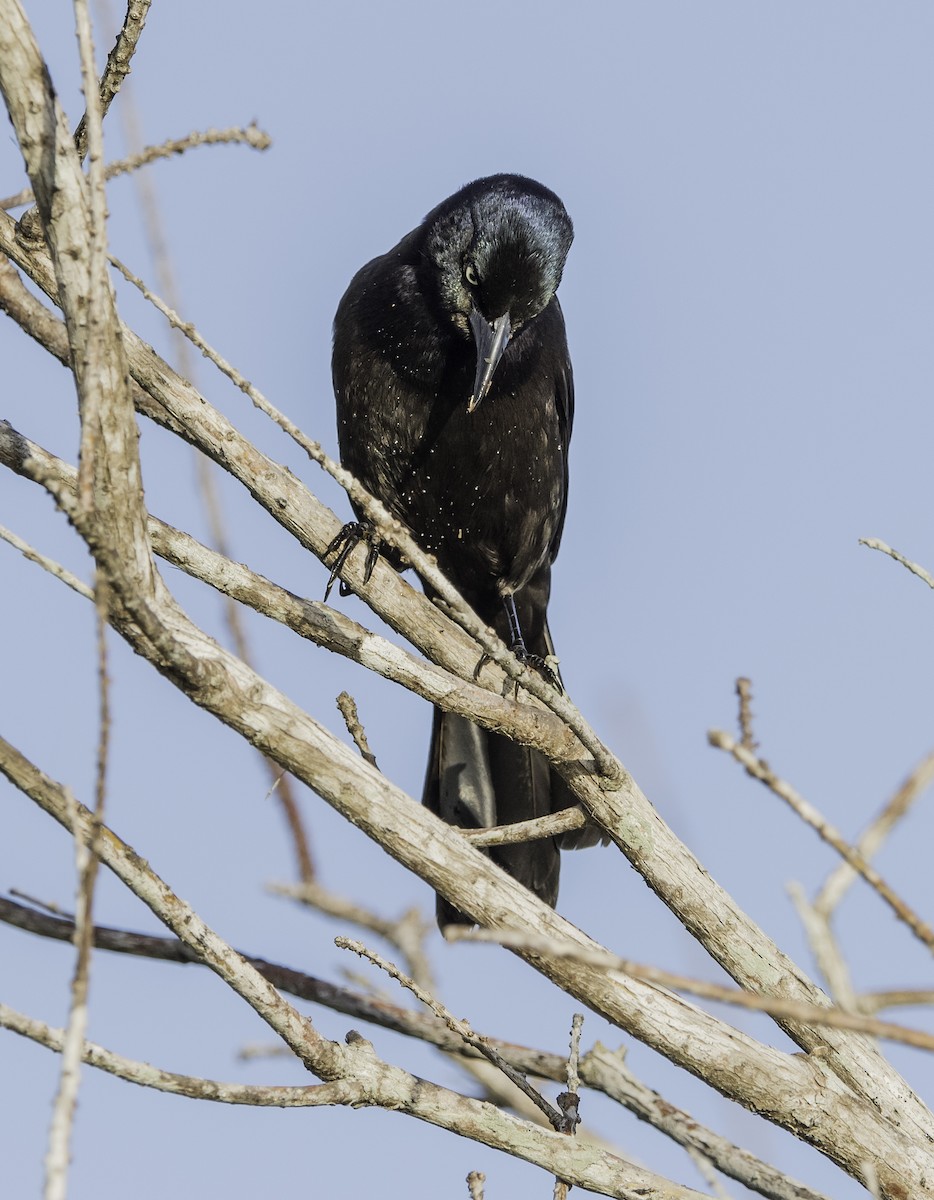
(476, 779)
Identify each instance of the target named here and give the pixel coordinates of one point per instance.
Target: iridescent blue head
(498, 247)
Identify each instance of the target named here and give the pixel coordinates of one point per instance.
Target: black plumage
(455, 403)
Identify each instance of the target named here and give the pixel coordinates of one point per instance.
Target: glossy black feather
(485, 491)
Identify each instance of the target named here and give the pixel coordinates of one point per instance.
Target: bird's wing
(564, 404)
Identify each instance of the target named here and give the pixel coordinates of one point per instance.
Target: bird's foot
(350, 536)
(546, 667)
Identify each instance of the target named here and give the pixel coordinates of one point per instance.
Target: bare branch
(381, 1083)
(342, 1091)
(759, 769)
(475, 1182)
(606, 1070)
(96, 370)
(476, 886)
(676, 876)
(774, 1005)
(839, 880)
(600, 1068)
(461, 1028)
(744, 692)
(315, 621)
(348, 710)
(913, 567)
(394, 532)
(825, 948)
(871, 1002)
(527, 831)
(111, 511)
(99, 99)
(47, 564)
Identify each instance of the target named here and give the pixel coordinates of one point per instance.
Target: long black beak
(491, 342)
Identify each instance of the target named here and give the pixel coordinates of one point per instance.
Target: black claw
(484, 659)
(343, 545)
(541, 665)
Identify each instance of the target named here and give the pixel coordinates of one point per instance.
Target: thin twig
(116, 70)
(825, 948)
(47, 564)
(49, 906)
(461, 1028)
(528, 831)
(759, 769)
(708, 1174)
(839, 880)
(776, 1006)
(165, 272)
(250, 135)
(574, 1056)
(144, 1074)
(348, 710)
(407, 932)
(569, 1101)
(475, 1182)
(913, 567)
(871, 1002)
(86, 840)
(744, 692)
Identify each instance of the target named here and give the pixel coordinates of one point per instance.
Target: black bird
(454, 407)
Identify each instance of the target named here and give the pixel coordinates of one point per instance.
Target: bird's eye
(470, 274)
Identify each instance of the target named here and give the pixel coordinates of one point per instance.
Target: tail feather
(476, 779)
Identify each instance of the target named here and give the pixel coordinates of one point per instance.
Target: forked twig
(461, 1028)
(759, 769)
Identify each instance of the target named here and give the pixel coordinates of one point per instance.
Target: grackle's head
(497, 250)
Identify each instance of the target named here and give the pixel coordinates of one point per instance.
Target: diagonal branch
(708, 913)
(157, 629)
(913, 567)
(839, 880)
(317, 622)
(459, 1027)
(601, 1069)
(379, 1083)
(117, 68)
(759, 769)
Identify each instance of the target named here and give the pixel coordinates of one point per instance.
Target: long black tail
(476, 779)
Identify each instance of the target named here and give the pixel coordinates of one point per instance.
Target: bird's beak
(491, 341)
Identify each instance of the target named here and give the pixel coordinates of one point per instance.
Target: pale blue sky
(750, 306)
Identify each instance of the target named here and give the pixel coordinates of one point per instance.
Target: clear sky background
(750, 307)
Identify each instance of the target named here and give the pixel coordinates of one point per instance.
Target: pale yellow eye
(470, 274)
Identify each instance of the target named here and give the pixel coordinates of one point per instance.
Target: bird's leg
(344, 544)
(516, 641)
(518, 647)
